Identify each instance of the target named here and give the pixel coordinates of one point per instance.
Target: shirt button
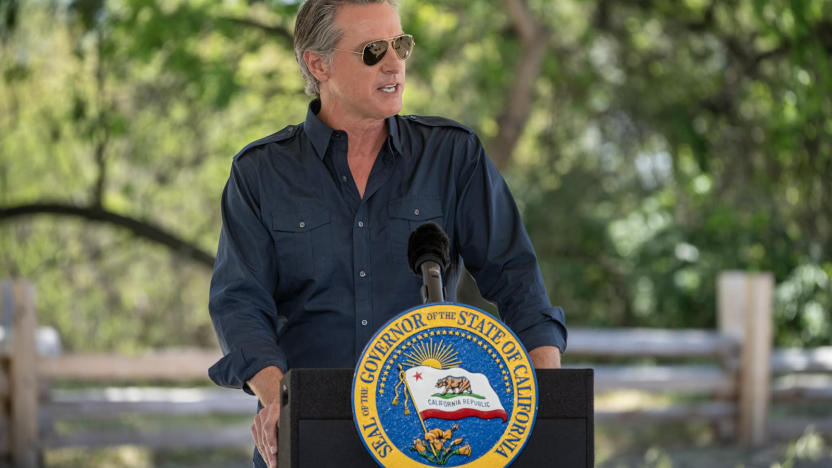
(364, 322)
(301, 225)
(362, 273)
(361, 224)
(344, 178)
(416, 211)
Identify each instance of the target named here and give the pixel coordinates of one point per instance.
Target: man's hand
(545, 357)
(266, 385)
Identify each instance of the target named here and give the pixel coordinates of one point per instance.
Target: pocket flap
(299, 221)
(416, 209)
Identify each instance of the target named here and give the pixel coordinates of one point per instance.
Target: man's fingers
(264, 432)
(259, 441)
(255, 432)
(269, 433)
(255, 435)
(270, 436)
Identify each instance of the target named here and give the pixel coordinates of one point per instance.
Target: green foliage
(690, 145)
(668, 141)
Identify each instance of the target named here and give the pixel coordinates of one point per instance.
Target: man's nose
(391, 63)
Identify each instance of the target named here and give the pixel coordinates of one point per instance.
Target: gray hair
(316, 31)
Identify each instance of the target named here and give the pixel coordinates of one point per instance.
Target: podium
(317, 430)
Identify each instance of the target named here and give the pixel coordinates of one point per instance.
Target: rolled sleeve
(547, 329)
(241, 304)
(234, 369)
(499, 254)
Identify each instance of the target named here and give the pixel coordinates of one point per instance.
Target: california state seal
(444, 385)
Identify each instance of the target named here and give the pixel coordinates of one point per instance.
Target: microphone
(427, 255)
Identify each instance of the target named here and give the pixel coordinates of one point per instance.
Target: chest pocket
(301, 241)
(407, 214)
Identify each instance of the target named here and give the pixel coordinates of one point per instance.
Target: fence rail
(648, 342)
(159, 400)
(176, 365)
(224, 436)
(733, 365)
(791, 360)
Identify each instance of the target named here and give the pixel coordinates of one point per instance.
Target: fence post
(744, 304)
(19, 297)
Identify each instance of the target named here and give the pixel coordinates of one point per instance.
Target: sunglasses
(372, 52)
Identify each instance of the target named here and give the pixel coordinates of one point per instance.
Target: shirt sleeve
(497, 251)
(241, 303)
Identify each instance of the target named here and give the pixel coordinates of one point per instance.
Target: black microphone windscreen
(428, 242)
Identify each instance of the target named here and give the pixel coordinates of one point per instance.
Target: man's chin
(393, 109)
(383, 112)
(389, 104)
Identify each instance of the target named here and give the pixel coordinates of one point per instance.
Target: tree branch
(512, 120)
(279, 31)
(140, 228)
(522, 20)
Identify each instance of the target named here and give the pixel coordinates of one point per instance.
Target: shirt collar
(393, 130)
(320, 133)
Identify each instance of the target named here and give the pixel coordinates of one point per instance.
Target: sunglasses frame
(388, 41)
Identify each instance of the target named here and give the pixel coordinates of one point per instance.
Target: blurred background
(650, 144)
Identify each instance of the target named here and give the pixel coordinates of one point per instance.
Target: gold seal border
(373, 362)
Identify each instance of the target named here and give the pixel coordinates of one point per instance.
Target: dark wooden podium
(317, 429)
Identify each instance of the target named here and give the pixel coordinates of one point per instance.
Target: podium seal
(444, 385)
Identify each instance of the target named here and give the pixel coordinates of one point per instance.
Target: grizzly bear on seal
(458, 384)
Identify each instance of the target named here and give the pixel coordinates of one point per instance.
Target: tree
(649, 145)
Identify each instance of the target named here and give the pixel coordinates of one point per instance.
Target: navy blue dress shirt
(307, 269)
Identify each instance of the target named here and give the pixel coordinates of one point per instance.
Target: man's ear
(317, 65)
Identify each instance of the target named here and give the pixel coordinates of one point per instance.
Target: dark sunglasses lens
(374, 52)
(403, 45)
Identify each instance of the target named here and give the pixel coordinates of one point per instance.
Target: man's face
(354, 89)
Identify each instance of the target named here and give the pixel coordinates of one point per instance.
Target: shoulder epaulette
(282, 135)
(433, 121)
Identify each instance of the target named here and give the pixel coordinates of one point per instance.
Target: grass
(618, 445)
(696, 443)
(660, 446)
(448, 396)
(811, 450)
(143, 422)
(139, 457)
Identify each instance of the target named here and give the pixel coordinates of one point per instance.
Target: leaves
(666, 142)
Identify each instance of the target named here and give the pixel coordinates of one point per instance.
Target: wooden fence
(733, 365)
(18, 377)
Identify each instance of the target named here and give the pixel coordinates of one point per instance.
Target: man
(316, 218)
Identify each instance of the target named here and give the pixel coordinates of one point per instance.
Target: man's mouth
(389, 88)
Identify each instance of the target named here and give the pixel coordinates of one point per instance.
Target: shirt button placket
(361, 265)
